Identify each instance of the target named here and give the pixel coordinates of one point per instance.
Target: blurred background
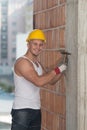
(16, 21)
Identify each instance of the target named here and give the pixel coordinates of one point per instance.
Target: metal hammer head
(65, 53)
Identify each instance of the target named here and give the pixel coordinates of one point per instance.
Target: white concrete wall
(82, 65)
(76, 79)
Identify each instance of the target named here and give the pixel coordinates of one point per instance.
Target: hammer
(62, 51)
(65, 52)
(66, 55)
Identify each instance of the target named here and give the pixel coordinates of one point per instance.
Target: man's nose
(38, 47)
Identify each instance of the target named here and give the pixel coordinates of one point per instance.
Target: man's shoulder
(22, 62)
(19, 60)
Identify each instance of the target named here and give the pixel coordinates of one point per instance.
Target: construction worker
(29, 77)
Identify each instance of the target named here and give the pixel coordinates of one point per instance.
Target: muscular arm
(25, 69)
(55, 79)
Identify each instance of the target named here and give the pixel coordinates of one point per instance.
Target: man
(29, 77)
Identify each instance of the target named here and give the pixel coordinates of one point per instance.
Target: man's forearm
(55, 79)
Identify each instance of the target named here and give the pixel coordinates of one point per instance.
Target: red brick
(59, 105)
(51, 87)
(47, 19)
(62, 1)
(49, 39)
(35, 6)
(46, 100)
(62, 37)
(52, 18)
(56, 38)
(51, 101)
(62, 87)
(38, 5)
(37, 20)
(55, 122)
(42, 20)
(51, 3)
(43, 97)
(57, 87)
(52, 121)
(62, 15)
(62, 125)
(53, 15)
(43, 117)
(58, 16)
(44, 60)
(44, 4)
(49, 121)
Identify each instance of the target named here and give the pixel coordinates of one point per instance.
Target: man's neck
(31, 57)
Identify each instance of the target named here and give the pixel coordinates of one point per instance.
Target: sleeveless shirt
(27, 95)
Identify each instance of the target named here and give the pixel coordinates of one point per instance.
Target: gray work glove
(63, 65)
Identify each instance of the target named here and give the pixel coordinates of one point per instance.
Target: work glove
(60, 69)
(62, 66)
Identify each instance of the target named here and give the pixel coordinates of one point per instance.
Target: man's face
(36, 46)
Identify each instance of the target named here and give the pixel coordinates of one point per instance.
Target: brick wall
(49, 15)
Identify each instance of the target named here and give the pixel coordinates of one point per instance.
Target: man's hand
(62, 66)
(60, 69)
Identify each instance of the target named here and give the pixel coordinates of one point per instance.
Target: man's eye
(35, 43)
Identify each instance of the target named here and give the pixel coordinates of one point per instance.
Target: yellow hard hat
(36, 34)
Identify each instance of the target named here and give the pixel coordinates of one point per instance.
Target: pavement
(6, 101)
(4, 126)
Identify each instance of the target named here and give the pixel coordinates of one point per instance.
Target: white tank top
(27, 95)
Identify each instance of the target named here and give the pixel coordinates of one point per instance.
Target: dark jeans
(26, 119)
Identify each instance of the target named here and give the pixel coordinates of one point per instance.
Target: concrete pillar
(76, 43)
(82, 65)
